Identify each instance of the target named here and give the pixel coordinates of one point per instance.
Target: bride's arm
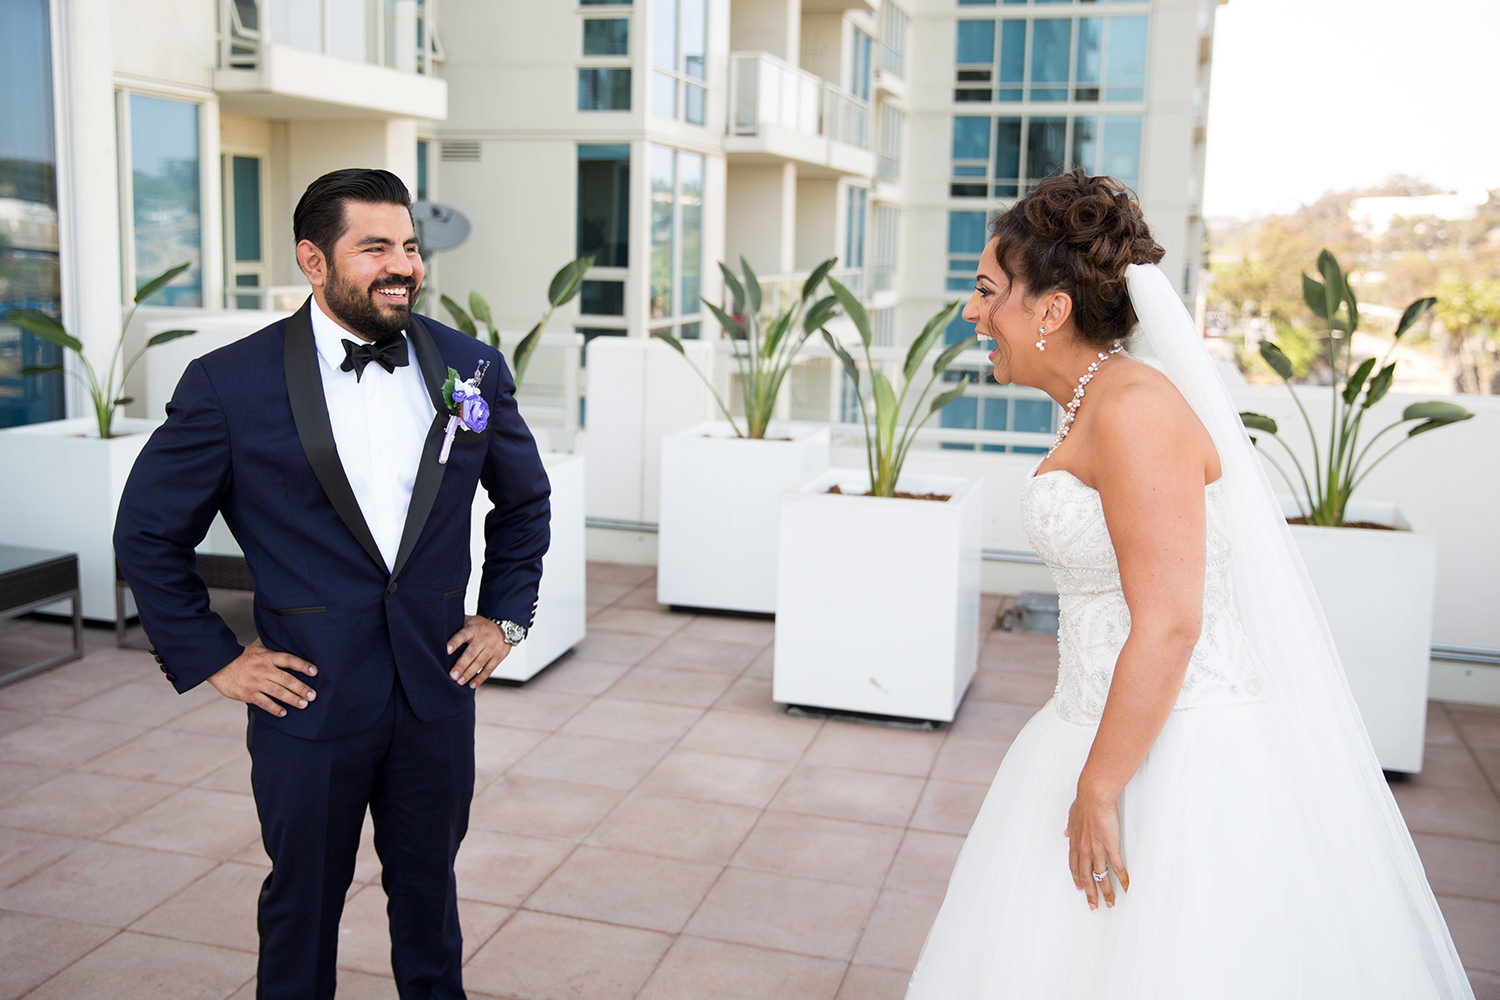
(1147, 458)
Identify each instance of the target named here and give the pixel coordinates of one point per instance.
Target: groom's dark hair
(319, 217)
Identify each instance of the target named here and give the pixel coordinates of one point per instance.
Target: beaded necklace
(1066, 423)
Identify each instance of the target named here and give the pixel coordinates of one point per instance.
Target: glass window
(1007, 157)
(971, 138)
(663, 230)
(606, 36)
(976, 3)
(1012, 59)
(1046, 151)
(965, 233)
(1090, 54)
(694, 17)
(690, 245)
(976, 42)
(604, 3)
(1121, 148)
(602, 298)
(246, 170)
(679, 59)
(859, 64)
(1051, 51)
(165, 198)
(422, 147)
(1125, 75)
(29, 271)
(664, 25)
(1086, 144)
(603, 89)
(854, 228)
(604, 204)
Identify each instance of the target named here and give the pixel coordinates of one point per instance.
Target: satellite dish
(438, 226)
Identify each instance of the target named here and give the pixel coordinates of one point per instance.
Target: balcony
(311, 59)
(779, 112)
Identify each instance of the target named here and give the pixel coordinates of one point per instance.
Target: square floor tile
(60, 741)
(1461, 867)
(782, 737)
(538, 806)
(890, 750)
(691, 688)
(867, 982)
(676, 828)
(24, 852)
(217, 716)
(814, 847)
(576, 675)
(629, 574)
(963, 759)
(33, 948)
(715, 777)
(1015, 687)
(17, 778)
(1475, 926)
(174, 756)
(107, 884)
(496, 748)
(990, 720)
(1479, 727)
(686, 652)
(140, 967)
(615, 647)
(141, 703)
(505, 868)
(1453, 812)
(527, 707)
(636, 721)
(365, 932)
(541, 956)
(732, 628)
(193, 821)
(218, 909)
(81, 804)
(924, 862)
(589, 760)
(640, 621)
(748, 694)
(846, 793)
(948, 806)
(696, 969)
(894, 935)
(623, 887)
(767, 910)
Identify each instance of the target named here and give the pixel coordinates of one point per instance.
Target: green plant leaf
(460, 318)
(774, 333)
(1312, 294)
(924, 342)
(448, 384)
(948, 397)
(1257, 422)
(816, 277)
(1349, 298)
(1436, 409)
(736, 290)
(850, 368)
(735, 330)
(159, 282)
(1335, 288)
(31, 370)
(168, 335)
(886, 410)
(520, 358)
(124, 401)
(854, 310)
(44, 326)
(1279, 362)
(1432, 425)
(1356, 381)
(670, 341)
(752, 287)
(949, 355)
(480, 309)
(1414, 312)
(1379, 385)
(820, 312)
(567, 282)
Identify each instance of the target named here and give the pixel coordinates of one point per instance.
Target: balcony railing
(765, 91)
(392, 33)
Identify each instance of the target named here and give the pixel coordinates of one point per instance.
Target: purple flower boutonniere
(466, 406)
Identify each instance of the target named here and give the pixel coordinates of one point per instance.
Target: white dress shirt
(380, 423)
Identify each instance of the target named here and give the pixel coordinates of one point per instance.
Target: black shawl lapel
(304, 388)
(430, 473)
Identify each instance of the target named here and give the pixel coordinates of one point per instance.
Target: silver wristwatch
(512, 632)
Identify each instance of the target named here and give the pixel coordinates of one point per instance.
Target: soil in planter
(1346, 524)
(899, 494)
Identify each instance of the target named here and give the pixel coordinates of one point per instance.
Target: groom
(320, 438)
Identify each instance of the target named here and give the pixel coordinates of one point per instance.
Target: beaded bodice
(1065, 522)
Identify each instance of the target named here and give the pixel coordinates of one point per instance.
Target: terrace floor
(646, 823)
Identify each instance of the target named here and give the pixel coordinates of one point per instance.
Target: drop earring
(1041, 343)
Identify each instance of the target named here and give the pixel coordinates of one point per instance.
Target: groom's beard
(363, 310)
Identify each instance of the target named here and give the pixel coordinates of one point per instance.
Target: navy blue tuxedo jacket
(247, 433)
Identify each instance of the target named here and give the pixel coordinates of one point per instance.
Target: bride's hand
(1094, 846)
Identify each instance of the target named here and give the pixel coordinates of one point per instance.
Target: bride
(1197, 812)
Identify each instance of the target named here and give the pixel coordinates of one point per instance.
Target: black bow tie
(389, 354)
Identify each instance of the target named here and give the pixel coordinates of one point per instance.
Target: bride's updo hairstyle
(1075, 233)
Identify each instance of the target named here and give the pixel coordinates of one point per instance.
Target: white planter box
(60, 490)
(878, 598)
(721, 512)
(560, 611)
(1377, 590)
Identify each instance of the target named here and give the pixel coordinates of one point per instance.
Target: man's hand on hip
(260, 677)
(486, 649)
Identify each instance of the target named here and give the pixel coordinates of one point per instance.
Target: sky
(1310, 96)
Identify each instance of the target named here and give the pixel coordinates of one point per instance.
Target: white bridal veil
(1325, 757)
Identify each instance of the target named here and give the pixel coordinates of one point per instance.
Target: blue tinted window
(976, 42)
(962, 412)
(164, 183)
(965, 232)
(1090, 49)
(1125, 73)
(606, 37)
(1051, 50)
(1007, 149)
(976, 3)
(959, 329)
(1046, 153)
(971, 138)
(1085, 144)
(601, 89)
(1012, 59)
(1121, 144)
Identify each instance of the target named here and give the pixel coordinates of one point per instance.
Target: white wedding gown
(1238, 890)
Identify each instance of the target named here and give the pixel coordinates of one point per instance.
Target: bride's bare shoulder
(1140, 413)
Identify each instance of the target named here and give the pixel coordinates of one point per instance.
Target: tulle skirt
(1233, 893)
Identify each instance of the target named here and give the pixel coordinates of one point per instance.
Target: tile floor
(647, 824)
